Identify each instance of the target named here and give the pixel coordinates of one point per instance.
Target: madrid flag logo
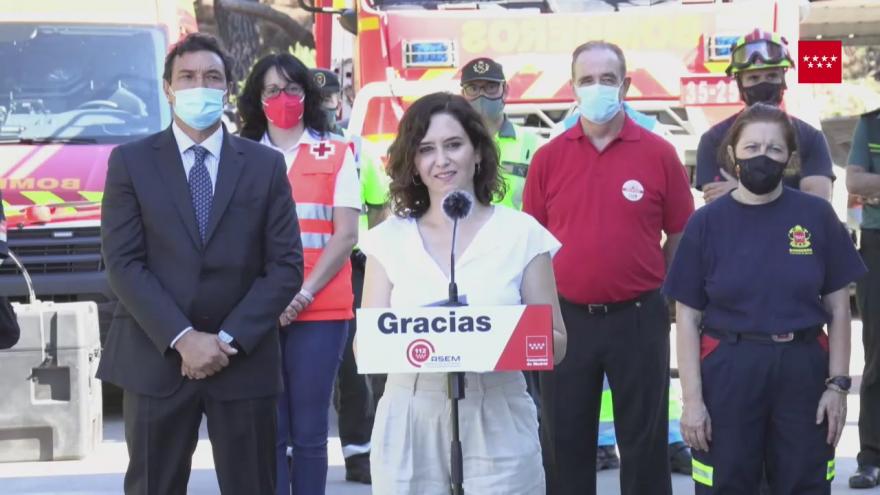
(820, 62)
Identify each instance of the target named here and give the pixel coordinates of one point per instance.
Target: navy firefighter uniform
(757, 273)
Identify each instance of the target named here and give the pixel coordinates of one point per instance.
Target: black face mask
(765, 92)
(760, 174)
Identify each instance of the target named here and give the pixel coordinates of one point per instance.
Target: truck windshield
(72, 83)
(543, 5)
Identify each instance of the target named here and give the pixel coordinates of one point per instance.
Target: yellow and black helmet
(759, 50)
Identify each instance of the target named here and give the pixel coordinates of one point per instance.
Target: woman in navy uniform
(752, 300)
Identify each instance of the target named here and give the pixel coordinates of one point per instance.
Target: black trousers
(355, 394)
(631, 346)
(868, 299)
(162, 433)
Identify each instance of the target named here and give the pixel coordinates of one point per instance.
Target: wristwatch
(229, 339)
(842, 382)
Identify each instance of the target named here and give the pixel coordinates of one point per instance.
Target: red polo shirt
(608, 209)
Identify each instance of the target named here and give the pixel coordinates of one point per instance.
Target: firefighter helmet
(759, 50)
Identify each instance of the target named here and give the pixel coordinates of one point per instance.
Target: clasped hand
(203, 354)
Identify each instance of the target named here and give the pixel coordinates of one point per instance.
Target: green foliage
(860, 90)
(851, 97)
(861, 62)
(305, 54)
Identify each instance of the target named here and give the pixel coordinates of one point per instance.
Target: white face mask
(598, 103)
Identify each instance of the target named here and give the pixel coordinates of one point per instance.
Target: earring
(478, 168)
(737, 170)
(417, 181)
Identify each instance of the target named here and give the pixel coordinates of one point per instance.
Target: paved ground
(101, 473)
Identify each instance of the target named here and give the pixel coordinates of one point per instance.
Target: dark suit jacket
(240, 281)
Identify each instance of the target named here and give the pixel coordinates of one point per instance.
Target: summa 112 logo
(418, 352)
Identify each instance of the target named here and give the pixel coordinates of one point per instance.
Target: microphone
(457, 205)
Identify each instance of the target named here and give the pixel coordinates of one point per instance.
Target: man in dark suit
(202, 248)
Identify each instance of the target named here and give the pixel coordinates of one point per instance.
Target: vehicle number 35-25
(704, 92)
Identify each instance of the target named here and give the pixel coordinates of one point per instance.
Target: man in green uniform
(484, 86)
(863, 179)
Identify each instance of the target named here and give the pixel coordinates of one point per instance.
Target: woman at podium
(503, 257)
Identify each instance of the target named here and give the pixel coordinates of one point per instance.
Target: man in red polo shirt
(608, 190)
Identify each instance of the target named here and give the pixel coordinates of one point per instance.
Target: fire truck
(676, 53)
(80, 78)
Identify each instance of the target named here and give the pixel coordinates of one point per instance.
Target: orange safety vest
(312, 178)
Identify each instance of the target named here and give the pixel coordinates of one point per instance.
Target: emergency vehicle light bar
(438, 53)
(718, 48)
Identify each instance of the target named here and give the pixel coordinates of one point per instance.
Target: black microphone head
(457, 204)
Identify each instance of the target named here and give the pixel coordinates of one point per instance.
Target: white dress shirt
(214, 144)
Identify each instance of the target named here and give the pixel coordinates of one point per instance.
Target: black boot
(865, 477)
(606, 458)
(680, 459)
(357, 468)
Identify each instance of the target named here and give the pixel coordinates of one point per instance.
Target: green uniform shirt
(865, 153)
(374, 185)
(516, 146)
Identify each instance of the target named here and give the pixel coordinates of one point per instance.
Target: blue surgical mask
(199, 108)
(488, 108)
(598, 103)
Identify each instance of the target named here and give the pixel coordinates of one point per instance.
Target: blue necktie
(201, 190)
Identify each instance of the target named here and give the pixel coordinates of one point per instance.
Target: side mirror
(348, 20)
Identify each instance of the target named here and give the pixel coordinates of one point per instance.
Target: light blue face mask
(487, 108)
(199, 108)
(598, 103)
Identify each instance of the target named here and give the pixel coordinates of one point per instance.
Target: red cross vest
(312, 178)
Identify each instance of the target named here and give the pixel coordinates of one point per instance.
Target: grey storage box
(51, 401)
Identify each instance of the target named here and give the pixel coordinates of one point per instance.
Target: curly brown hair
(409, 196)
(760, 112)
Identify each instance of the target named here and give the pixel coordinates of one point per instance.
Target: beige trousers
(499, 436)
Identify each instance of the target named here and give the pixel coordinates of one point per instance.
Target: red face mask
(284, 111)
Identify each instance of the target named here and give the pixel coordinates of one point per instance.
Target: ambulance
(78, 78)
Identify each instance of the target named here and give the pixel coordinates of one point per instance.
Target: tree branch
(294, 30)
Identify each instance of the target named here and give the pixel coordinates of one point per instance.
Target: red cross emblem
(321, 150)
